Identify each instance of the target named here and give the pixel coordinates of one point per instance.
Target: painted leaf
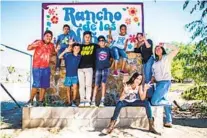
(49, 24)
(48, 16)
(124, 9)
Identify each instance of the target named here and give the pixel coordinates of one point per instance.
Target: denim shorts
(41, 77)
(101, 76)
(69, 81)
(117, 53)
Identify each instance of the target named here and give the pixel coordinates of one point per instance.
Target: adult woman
(161, 70)
(144, 46)
(133, 95)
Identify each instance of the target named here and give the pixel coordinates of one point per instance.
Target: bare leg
(103, 89)
(75, 90)
(95, 92)
(42, 94)
(33, 93)
(112, 65)
(68, 95)
(123, 64)
(116, 65)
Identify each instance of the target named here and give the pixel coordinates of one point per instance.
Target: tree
(196, 61)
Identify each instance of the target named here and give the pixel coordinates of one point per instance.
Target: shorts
(101, 76)
(41, 77)
(117, 53)
(69, 81)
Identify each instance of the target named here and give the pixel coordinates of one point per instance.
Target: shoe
(30, 103)
(81, 104)
(101, 104)
(168, 125)
(87, 104)
(67, 104)
(111, 126)
(115, 73)
(40, 104)
(152, 127)
(73, 104)
(124, 72)
(93, 104)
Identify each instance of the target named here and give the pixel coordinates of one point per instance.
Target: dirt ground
(185, 125)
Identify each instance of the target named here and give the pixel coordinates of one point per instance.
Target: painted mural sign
(94, 17)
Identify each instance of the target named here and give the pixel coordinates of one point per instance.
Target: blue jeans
(148, 74)
(160, 98)
(123, 103)
(117, 53)
(58, 61)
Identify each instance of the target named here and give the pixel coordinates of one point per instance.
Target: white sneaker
(87, 104)
(101, 104)
(93, 104)
(81, 104)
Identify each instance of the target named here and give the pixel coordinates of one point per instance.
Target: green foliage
(196, 93)
(196, 61)
(178, 70)
(180, 65)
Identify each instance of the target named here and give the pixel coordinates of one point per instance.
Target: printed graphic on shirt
(102, 56)
(87, 50)
(65, 41)
(120, 40)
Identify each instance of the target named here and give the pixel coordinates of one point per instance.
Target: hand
(109, 40)
(144, 37)
(161, 44)
(146, 86)
(58, 47)
(36, 43)
(68, 49)
(71, 42)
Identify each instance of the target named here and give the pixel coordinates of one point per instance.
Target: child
(63, 41)
(72, 61)
(85, 70)
(102, 69)
(119, 48)
(41, 70)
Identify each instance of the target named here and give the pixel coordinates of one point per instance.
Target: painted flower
(54, 20)
(132, 38)
(128, 21)
(51, 11)
(132, 11)
(136, 19)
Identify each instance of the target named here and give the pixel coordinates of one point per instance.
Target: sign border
(45, 6)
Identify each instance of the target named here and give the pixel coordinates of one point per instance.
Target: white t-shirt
(131, 95)
(120, 41)
(161, 69)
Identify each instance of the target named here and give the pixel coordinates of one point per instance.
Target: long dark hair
(163, 53)
(132, 79)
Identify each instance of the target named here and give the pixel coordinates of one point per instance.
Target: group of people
(82, 61)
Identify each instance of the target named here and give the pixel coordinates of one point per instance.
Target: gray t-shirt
(161, 69)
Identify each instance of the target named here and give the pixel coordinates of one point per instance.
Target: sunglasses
(101, 40)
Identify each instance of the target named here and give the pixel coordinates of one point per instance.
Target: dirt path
(184, 126)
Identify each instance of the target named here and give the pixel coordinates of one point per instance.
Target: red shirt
(41, 58)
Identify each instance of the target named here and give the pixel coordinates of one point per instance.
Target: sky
(164, 21)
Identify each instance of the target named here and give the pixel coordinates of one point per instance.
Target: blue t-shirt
(102, 58)
(71, 64)
(63, 41)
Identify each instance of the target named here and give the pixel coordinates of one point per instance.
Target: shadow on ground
(191, 122)
(11, 115)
